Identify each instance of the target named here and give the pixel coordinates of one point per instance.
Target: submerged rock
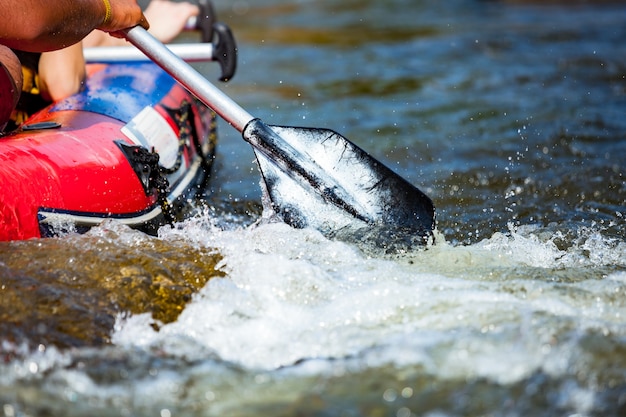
(68, 292)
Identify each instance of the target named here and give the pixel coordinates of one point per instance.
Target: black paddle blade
(317, 178)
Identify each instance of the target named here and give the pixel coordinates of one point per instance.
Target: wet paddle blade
(314, 177)
(317, 178)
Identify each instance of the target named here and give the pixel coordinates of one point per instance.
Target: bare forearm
(44, 25)
(61, 73)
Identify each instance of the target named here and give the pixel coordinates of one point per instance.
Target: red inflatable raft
(130, 147)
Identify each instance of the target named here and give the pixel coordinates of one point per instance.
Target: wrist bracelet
(107, 12)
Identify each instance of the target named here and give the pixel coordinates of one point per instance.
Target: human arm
(61, 73)
(44, 25)
(167, 20)
(10, 83)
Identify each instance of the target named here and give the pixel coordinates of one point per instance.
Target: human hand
(124, 14)
(168, 18)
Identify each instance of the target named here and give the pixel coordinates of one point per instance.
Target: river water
(510, 116)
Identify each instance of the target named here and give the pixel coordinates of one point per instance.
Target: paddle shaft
(264, 140)
(329, 192)
(212, 96)
(268, 142)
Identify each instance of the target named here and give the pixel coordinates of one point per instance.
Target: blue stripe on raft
(121, 91)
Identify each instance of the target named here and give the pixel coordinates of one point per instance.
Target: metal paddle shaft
(188, 77)
(314, 177)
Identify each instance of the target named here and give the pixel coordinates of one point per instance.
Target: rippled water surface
(510, 116)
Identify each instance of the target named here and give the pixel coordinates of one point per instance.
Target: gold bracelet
(107, 13)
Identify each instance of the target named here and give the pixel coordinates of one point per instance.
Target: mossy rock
(68, 292)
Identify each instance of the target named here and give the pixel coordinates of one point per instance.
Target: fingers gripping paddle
(313, 177)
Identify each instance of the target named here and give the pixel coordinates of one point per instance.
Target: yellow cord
(107, 13)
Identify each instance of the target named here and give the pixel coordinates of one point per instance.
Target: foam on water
(295, 306)
(502, 309)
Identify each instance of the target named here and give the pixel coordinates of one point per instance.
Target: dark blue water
(514, 109)
(510, 116)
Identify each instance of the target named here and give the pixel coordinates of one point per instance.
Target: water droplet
(390, 395)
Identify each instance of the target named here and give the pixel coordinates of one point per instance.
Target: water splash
(527, 309)
(292, 295)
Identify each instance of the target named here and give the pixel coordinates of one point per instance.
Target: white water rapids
(295, 306)
(500, 111)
